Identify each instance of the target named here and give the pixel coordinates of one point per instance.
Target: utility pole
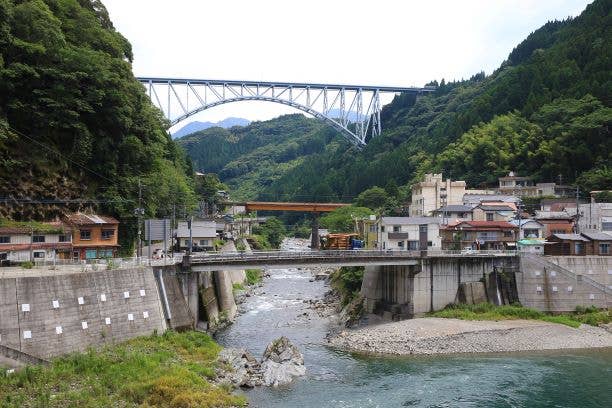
(577, 209)
(139, 212)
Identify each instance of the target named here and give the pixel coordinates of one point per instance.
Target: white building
(23, 242)
(595, 216)
(529, 229)
(203, 234)
(409, 233)
(434, 192)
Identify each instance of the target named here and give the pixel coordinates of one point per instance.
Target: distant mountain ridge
(197, 126)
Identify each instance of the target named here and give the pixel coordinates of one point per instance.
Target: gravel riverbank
(444, 336)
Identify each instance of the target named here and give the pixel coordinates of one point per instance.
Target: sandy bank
(436, 335)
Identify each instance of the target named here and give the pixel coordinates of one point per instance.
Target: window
(604, 248)
(413, 245)
(372, 228)
(5, 239)
(557, 231)
(38, 238)
(382, 228)
(39, 255)
(606, 226)
(400, 244)
(508, 233)
(107, 233)
(489, 216)
(85, 234)
(579, 247)
(531, 233)
(429, 243)
(204, 242)
(397, 228)
(187, 242)
(91, 254)
(65, 238)
(3, 256)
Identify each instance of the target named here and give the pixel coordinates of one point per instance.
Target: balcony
(397, 235)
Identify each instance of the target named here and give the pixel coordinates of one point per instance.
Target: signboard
(155, 230)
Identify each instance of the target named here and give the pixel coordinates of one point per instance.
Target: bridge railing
(212, 257)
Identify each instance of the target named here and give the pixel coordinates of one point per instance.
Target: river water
(338, 379)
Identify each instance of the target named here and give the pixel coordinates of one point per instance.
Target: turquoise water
(338, 379)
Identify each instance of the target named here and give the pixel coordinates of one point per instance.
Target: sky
(383, 42)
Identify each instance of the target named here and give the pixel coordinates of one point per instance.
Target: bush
(27, 265)
(347, 280)
(253, 276)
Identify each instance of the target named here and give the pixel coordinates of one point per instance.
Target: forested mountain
(545, 113)
(74, 122)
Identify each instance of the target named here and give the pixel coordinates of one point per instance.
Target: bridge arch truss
(353, 110)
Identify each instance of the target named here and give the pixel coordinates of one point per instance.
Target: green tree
(374, 197)
(343, 219)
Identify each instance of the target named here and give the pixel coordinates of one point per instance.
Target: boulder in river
(282, 361)
(244, 369)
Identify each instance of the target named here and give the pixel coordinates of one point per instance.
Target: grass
(488, 311)
(171, 370)
(237, 286)
(253, 276)
(35, 226)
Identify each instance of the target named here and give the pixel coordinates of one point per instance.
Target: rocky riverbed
(445, 336)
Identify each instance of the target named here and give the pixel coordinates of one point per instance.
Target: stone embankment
(445, 336)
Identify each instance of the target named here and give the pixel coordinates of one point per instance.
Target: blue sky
(384, 42)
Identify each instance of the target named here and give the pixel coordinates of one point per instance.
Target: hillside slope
(74, 122)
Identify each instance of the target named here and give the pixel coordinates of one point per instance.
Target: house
(409, 233)
(529, 229)
(525, 187)
(203, 234)
(93, 236)
(595, 216)
(599, 243)
(435, 192)
(566, 244)
(494, 212)
(34, 241)
(480, 235)
(558, 204)
(367, 229)
(453, 213)
(556, 222)
(517, 185)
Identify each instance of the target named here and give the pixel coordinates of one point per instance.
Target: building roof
(531, 241)
(79, 218)
(495, 207)
(596, 235)
(570, 237)
(489, 225)
(52, 227)
(410, 220)
(455, 208)
(524, 222)
(558, 215)
(478, 198)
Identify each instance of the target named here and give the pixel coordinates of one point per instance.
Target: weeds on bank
(253, 276)
(171, 370)
(488, 311)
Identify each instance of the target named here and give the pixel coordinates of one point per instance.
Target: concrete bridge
(202, 262)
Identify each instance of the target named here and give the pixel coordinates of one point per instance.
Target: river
(339, 379)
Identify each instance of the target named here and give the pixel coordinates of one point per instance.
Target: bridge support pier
(315, 242)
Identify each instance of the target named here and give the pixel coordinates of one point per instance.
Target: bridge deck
(280, 259)
(280, 206)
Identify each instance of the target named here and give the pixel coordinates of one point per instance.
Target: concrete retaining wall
(548, 284)
(46, 316)
(415, 290)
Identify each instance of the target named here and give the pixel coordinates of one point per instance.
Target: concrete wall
(128, 297)
(559, 284)
(415, 290)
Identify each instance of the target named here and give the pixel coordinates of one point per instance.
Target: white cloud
(386, 42)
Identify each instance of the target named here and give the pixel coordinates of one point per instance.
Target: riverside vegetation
(170, 370)
(487, 311)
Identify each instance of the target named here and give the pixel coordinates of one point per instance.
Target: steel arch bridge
(353, 110)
